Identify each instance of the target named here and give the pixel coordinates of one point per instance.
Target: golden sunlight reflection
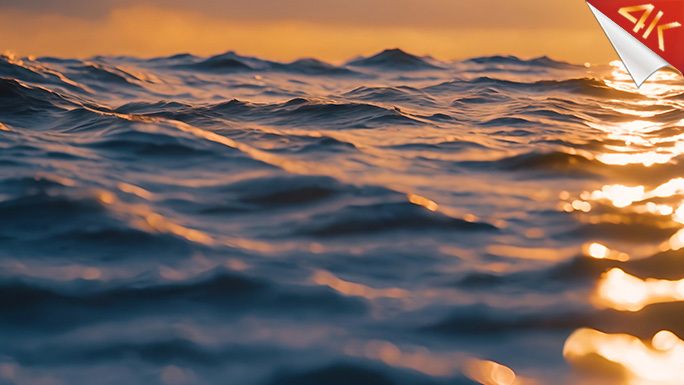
(636, 199)
(135, 190)
(141, 28)
(679, 214)
(660, 363)
(644, 141)
(443, 364)
(142, 217)
(625, 292)
(599, 251)
(160, 224)
(421, 201)
(325, 278)
(658, 84)
(676, 242)
(647, 158)
(540, 253)
(489, 373)
(656, 149)
(620, 196)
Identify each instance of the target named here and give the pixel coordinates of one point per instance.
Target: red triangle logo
(659, 24)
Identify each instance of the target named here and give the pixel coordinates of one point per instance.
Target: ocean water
(393, 220)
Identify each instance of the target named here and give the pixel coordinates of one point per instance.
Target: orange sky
(332, 30)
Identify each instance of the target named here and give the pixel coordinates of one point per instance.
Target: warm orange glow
(159, 223)
(663, 361)
(636, 199)
(421, 201)
(542, 254)
(646, 158)
(143, 218)
(443, 364)
(676, 241)
(489, 373)
(349, 288)
(620, 196)
(658, 84)
(660, 363)
(642, 144)
(135, 190)
(665, 340)
(621, 291)
(154, 31)
(106, 197)
(599, 251)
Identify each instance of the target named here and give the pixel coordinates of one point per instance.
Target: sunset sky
(332, 30)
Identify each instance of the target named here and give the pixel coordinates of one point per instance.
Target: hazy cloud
(523, 14)
(288, 29)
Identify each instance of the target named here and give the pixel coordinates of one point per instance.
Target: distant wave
(232, 62)
(394, 59)
(542, 61)
(581, 86)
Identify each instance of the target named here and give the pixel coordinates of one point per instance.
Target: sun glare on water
(660, 361)
(644, 142)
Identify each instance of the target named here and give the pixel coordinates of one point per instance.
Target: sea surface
(394, 220)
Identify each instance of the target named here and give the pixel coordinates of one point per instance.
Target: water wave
(395, 219)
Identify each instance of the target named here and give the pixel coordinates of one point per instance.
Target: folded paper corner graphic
(646, 36)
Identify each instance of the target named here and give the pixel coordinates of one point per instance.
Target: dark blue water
(393, 220)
